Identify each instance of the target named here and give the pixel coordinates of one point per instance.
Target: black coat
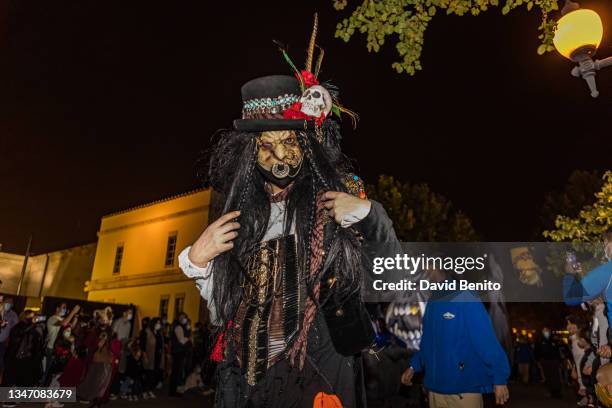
(348, 322)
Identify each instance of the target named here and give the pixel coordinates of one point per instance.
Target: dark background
(107, 104)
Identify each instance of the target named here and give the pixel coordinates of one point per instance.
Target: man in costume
(283, 267)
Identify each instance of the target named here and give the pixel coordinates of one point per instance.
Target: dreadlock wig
(232, 174)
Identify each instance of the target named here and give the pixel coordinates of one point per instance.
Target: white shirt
(274, 230)
(53, 329)
(122, 327)
(600, 328)
(577, 353)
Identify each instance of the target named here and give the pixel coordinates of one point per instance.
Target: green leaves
(407, 21)
(592, 221)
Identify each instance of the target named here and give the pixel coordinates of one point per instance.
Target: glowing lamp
(577, 36)
(579, 33)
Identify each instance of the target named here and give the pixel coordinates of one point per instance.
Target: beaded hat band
(267, 107)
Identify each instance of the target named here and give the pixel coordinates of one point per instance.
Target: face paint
(279, 157)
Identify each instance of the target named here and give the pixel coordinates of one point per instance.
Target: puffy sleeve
(202, 277)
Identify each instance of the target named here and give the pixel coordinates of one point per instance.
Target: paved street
(536, 396)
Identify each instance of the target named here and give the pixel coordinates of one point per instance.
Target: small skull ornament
(316, 100)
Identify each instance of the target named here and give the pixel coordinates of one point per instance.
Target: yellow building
(136, 258)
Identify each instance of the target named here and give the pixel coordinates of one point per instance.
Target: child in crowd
(135, 373)
(194, 383)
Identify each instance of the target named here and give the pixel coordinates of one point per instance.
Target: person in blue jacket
(459, 353)
(598, 282)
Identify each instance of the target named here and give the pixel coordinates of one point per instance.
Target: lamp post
(577, 37)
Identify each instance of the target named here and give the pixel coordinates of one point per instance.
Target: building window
(179, 303)
(118, 259)
(170, 249)
(164, 301)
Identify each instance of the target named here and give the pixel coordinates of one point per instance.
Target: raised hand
(217, 238)
(341, 204)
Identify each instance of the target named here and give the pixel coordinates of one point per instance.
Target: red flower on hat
(295, 112)
(309, 79)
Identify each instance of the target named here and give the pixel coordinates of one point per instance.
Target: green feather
(292, 65)
(336, 111)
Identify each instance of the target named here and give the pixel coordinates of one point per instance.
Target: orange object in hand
(323, 400)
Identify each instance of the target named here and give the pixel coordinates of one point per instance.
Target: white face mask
(546, 334)
(7, 307)
(157, 326)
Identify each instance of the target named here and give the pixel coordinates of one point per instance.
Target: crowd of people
(579, 356)
(103, 356)
(576, 358)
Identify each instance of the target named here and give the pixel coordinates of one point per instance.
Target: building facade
(60, 273)
(136, 257)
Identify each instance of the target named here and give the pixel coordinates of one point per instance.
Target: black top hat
(265, 100)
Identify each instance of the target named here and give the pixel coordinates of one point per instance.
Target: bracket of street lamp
(587, 68)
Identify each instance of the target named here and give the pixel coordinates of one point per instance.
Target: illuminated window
(170, 249)
(164, 301)
(179, 303)
(118, 259)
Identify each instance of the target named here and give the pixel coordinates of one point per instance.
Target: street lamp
(578, 34)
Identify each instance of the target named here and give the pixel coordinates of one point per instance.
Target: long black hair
(233, 175)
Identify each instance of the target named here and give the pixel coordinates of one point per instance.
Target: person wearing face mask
(9, 320)
(181, 347)
(63, 351)
(122, 329)
(24, 353)
(548, 356)
(154, 361)
(123, 325)
(60, 319)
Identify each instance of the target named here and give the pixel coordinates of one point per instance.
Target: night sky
(107, 104)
